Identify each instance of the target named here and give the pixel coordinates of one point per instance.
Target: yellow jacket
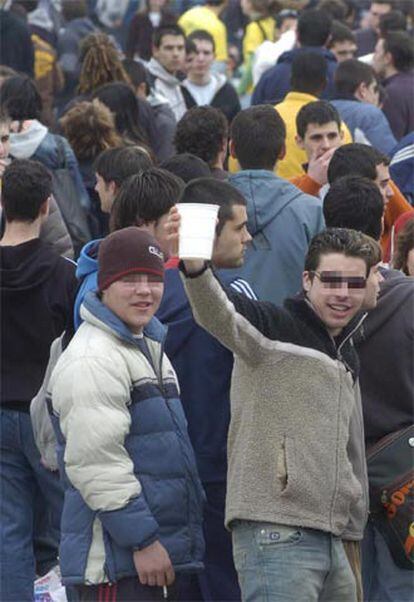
(201, 17)
(295, 157)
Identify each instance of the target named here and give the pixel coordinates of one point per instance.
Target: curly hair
(90, 129)
(404, 244)
(101, 63)
(201, 131)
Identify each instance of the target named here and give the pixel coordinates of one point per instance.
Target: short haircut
(314, 28)
(339, 240)
(117, 164)
(350, 74)
(354, 202)
(21, 99)
(216, 192)
(4, 116)
(309, 73)
(201, 131)
(404, 244)
(395, 20)
(320, 112)
(167, 30)
(136, 73)
(26, 185)
(187, 167)
(202, 34)
(334, 8)
(144, 198)
(340, 33)
(258, 135)
(355, 159)
(400, 45)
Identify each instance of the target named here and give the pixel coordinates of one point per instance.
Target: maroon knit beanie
(126, 251)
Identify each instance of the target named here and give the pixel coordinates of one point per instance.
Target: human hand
(153, 565)
(172, 227)
(318, 167)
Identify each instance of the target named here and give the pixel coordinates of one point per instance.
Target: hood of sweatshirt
(26, 266)
(24, 144)
(88, 259)
(266, 194)
(157, 70)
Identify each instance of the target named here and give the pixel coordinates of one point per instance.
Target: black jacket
(16, 46)
(37, 292)
(225, 99)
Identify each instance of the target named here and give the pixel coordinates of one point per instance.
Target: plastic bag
(49, 588)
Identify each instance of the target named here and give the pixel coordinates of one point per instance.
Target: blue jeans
(277, 562)
(383, 580)
(31, 500)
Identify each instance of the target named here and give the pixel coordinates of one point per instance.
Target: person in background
(187, 167)
(262, 27)
(342, 42)
(357, 103)
(203, 86)
(16, 46)
(403, 256)
(207, 17)
(394, 64)
(203, 131)
(367, 37)
(168, 57)
(153, 14)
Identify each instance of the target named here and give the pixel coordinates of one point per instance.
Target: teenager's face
(380, 60)
(410, 263)
(231, 243)
(344, 50)
(383, 180)
(4, 140)
(376, 11)
(106, 193)
(171, 53)
(320, 138)
(202, 59)
(336, 303)
(134, 299)
(373, 287)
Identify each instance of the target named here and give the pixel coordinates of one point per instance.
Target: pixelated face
(336, 289)
(134, 298)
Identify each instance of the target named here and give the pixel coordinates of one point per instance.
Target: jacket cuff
(132, 526)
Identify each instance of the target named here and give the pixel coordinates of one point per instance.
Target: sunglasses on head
(337, 280)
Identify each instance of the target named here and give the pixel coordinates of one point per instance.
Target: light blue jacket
(281, 220)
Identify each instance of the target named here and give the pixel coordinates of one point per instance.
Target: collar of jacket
(340, 347)
(97, 313)
(301, 97)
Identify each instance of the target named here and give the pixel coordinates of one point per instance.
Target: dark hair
(354, 202)
(190, 47)
(202, 34)
(404, 244)
(6, 71)
(314, 27)
(400, 45)
(340, 33)
(339, 240)
(167, 30)
(350, 74)
(201, 131)
(187, 167)
(320, 112)
(395, 20)
(101, 63)
(215, 192)
(118, 164)
(355, 159)
(136, 73)
(4, 116)
(284, 14)
(20, 97)
(144, 198)
(334, 8)
(74, 9)
(258, 135)
(309, 73)
(26, 185)
(122, 102)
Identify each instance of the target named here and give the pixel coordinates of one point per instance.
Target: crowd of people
(232, 429)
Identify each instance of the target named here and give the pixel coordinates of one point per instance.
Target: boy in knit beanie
(133, 502)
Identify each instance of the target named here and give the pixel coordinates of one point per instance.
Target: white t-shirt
(203, 95)
(155, 19)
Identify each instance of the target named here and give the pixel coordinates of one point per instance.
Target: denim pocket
(278, 535)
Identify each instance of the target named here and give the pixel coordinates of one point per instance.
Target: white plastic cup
(197, 230)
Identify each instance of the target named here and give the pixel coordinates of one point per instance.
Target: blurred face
(134, 299)
(383, 182)
(159, 232)
(336, 289)
(202, 59)
(410, 263)
(171, 53)
(246, 7)
(156, 5)
(344, 50)
(373, 288)
(231, 243)
(380, 60)
(369, 93)
(320, 138)
(376, 11)
(4, 140)
(106, 193)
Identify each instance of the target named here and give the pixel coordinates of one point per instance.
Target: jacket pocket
(285, 465)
